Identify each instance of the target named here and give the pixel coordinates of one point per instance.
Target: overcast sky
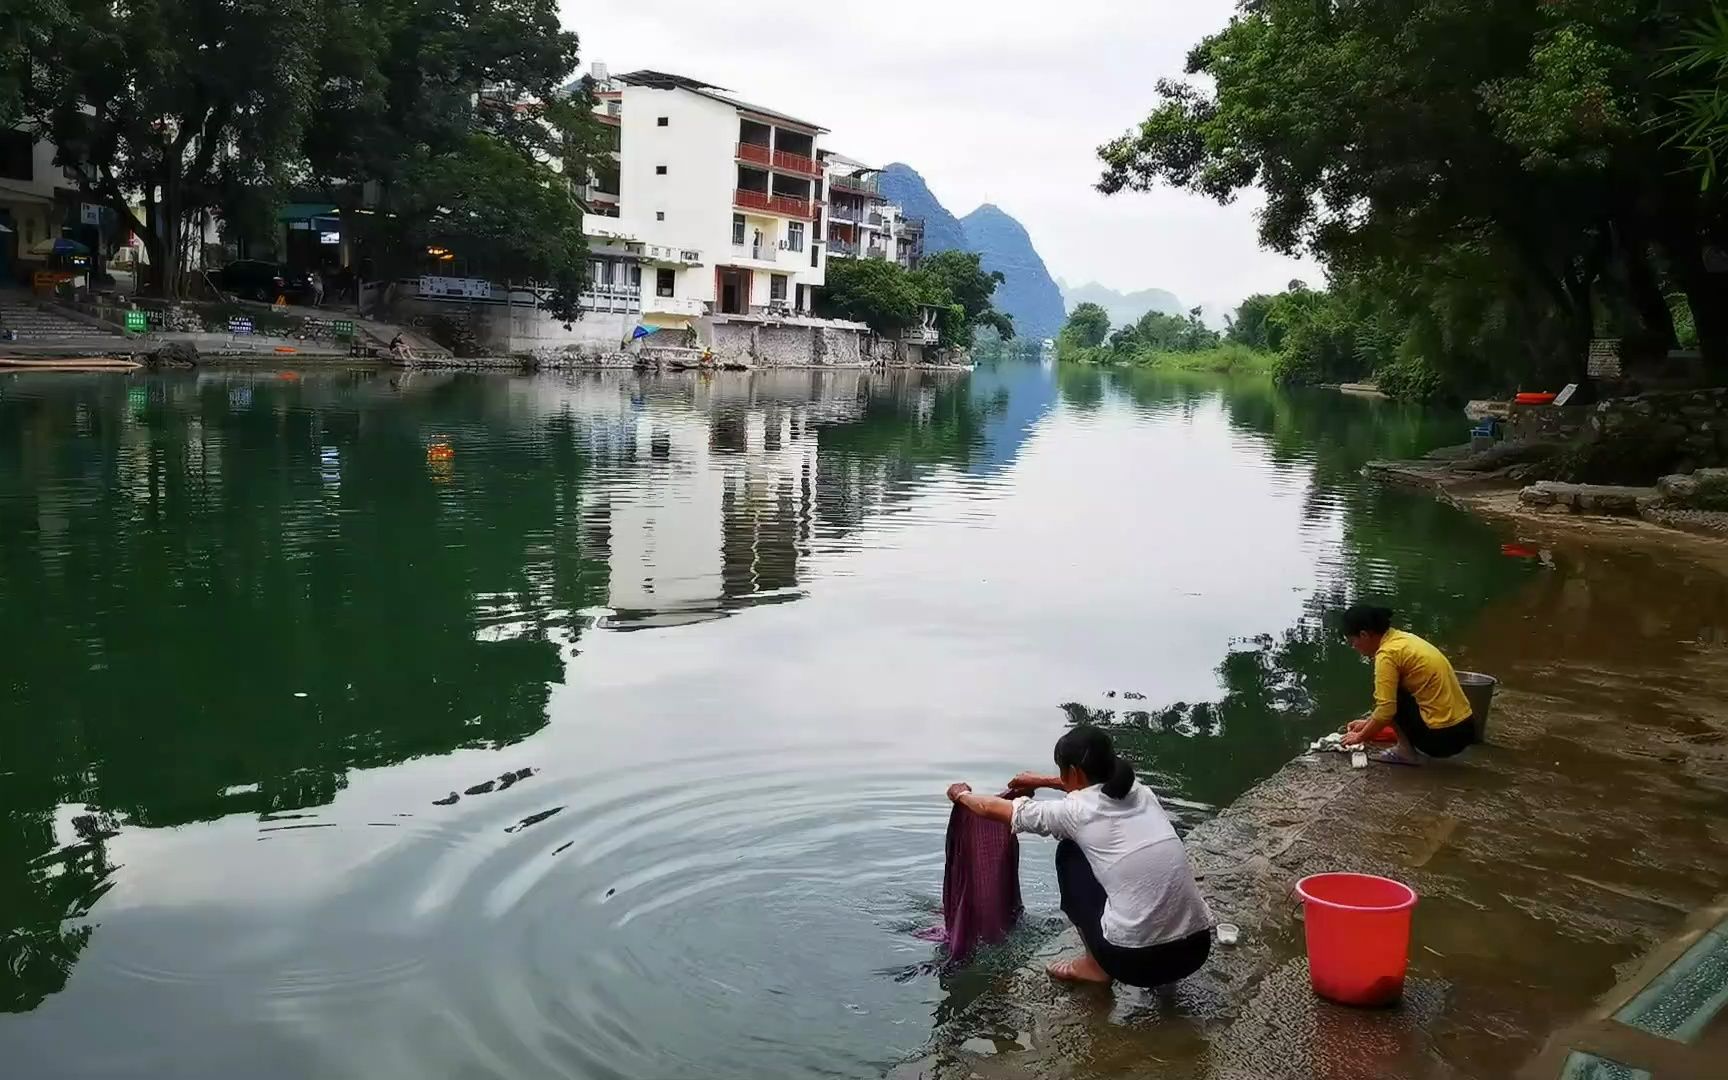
(1002, 102)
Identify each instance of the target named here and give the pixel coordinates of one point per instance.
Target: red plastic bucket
(1358, 930)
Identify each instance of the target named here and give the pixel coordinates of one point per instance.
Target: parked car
(255, 279)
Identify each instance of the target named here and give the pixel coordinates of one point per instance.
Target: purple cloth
(980, 885)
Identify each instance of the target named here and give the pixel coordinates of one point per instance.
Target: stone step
(1606, 499)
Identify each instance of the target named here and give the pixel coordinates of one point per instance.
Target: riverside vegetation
(1155, 340)
(1481, 213)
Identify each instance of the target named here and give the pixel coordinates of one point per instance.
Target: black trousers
(1083, 902)
(1435, 742)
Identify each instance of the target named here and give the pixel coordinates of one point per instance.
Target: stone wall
(1531, 423)
(788, 345)
(1637, 439)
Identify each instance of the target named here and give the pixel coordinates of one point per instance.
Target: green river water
(614, 746)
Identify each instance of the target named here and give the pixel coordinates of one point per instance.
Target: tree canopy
(1504, 161)
(891, 298)
(444, 119)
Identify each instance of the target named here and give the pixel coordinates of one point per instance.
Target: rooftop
(661, 80)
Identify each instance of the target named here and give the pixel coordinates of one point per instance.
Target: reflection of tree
(1436, 565)
(257, 591)
(226, 593)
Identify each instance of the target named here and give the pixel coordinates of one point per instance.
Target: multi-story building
(858, 223)
(862, 223)
(721, 197)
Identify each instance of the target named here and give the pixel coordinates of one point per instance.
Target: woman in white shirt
(1124, 876)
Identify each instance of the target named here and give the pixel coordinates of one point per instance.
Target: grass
(1226, 359)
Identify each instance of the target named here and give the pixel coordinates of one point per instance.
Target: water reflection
(332, 599)
(319, 741)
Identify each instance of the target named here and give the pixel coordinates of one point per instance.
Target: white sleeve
(1046, 817)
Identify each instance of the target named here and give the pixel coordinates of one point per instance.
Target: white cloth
(1135, 854)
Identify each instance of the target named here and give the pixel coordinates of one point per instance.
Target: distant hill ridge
(1123, 307)
(1028, 294)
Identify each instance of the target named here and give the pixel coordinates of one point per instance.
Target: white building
(729, 192)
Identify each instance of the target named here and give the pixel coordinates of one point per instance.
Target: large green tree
(452, 120)
(162, 102)
(429, 122)
(1389, 135)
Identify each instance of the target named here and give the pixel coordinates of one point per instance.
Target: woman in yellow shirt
(1415, 690)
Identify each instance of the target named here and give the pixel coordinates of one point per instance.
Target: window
(738, 229)
(794, 236)
(777, 287)
(17, 156)
(659, 215)
(636, 275)
(659, 170)
(664, 280)
(664, 121)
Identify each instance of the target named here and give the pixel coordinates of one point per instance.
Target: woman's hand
(957, 790)
(1353, 737)
(1027, 783)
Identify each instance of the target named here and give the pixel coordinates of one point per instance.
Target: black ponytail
(1091, 750)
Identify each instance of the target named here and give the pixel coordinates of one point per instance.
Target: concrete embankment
(1547, 861)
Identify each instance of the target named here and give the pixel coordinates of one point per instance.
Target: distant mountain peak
(1123, 307)
(1026, 293)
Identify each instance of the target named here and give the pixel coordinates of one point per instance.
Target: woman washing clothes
(1415, 690)
(1124, 876)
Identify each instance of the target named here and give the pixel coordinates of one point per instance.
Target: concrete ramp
(1666, 1022)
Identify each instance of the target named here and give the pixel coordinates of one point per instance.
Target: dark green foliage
(1494, 179)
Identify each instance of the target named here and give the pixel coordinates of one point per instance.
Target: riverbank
(1227, 359)
(1537, 894)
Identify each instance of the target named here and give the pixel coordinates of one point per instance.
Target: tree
(162, 101)
(1697, 120)
(1387, 136)
(1088, 325)
(471, 152)
(958, 278)
(872, 291)
(1248, 325)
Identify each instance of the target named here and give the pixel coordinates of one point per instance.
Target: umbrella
(642, 332)
(59, 245)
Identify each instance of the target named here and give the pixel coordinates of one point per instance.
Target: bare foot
(1081, 969)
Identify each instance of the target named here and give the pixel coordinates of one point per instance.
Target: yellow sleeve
(1385, 689)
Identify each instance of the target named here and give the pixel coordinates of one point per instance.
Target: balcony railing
(875, 220)
(772, 204)
(863, 185)
(676, 305)
(782, 160)
(612, 298)
(841, 249)
(759, 252)
(842, 212)
(921, 335)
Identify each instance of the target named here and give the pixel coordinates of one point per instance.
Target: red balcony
(784, 205)
(755, 154)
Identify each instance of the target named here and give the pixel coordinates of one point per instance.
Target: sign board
(343, 329)
(1565, 395)
(330, 238)
(1604, 362)
(280, 305)
(89, 214)
(463, 288)
(239, 324)
(136, 323)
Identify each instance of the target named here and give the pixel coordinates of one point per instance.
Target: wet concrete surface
(1547, 861)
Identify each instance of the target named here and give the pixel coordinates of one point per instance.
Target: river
(614, 742)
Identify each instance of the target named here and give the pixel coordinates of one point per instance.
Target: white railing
(758, 252)
(921, 335)
(675, 305)
(612, 298)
